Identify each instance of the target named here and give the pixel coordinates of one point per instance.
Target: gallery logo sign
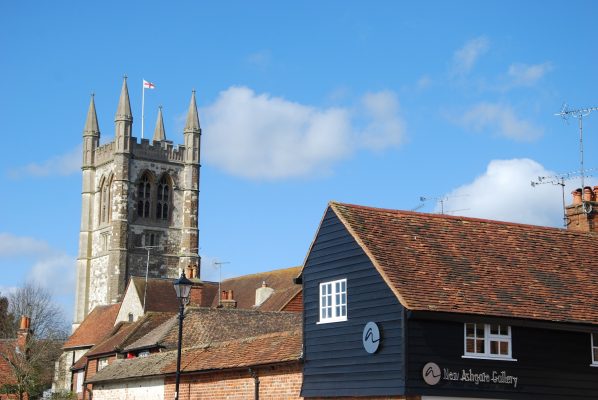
(431, 373)
(371, 337)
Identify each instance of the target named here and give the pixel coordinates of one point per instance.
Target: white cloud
(465, 58)
(11, 245)
(259, 136)
(386, 128)
(49, 267)
(61, 165)
(504, 192)
(500, 120)
(527, 75)
(56, 273)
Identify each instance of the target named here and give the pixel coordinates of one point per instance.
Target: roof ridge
(278, 270)
(233, 310)
(459, 217)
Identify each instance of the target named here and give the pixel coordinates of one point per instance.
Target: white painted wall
(131, 304)
(142, 389)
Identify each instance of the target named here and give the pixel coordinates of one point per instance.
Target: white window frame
(102, 363)
(332, 294)
(594, 348)
(488, 338)
(80, 378)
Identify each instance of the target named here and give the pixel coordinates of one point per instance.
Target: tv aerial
(441, 201)
(559, 180)
(579, 113)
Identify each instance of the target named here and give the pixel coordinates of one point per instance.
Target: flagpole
(142, 105)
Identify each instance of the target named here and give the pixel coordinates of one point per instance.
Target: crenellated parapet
(104, 153)
(163, 151)
(160, 151)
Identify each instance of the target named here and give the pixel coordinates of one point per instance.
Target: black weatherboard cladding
(336, 363)
(551, 364)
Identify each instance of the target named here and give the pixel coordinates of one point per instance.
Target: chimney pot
(576, 196)
(24, 324)
(587, 193)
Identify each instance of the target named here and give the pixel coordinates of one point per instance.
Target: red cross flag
(148, 85)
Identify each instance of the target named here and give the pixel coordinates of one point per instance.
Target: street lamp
(182, 287)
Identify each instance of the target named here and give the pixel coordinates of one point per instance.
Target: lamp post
(182, 287)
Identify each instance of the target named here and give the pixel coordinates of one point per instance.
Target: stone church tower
(135, 195)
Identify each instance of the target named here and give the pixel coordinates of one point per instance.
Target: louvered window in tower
(105, 202)
(163, 199)
(143, 197)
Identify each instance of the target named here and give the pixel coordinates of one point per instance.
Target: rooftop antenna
(440, 200)
(219, 265)
(579, 113)
(148, 249)
(560, 179)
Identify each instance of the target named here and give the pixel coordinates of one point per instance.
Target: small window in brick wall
(102, 363)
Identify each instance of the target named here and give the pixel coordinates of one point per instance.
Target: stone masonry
(135, 195)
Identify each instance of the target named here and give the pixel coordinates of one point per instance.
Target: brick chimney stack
(227, 300)
(196, 294)
(24, 332)
(582, 214)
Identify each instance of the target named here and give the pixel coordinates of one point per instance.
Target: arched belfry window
(164, 195)
(143, 196)
(105, 213)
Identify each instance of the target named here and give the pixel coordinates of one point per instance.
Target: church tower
(136, 196)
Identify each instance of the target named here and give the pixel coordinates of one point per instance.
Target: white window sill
(484, 357)
(594, 365)
(329, 321)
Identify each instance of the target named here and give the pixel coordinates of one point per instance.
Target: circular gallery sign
(431, 373)
(371, 337)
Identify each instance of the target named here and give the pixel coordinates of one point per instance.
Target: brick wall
(296, 303)
(276, 383)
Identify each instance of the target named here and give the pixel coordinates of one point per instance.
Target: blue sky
(375, 103)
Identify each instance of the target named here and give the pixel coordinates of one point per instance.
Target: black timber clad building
(393, 307)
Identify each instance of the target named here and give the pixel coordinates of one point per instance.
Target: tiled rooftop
(244, 287)
(473, 266)
(94, 327)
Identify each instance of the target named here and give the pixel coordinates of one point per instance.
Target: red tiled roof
(272, 348)
(94, 327)
(7, 348)
(208, 325)
(126, 333)
(244, 287)
(160, 295)
(265, 349)
(473, 266)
